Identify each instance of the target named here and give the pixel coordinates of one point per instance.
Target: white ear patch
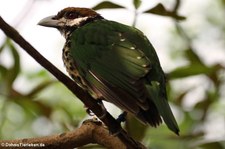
(64, 24)
(76, 22)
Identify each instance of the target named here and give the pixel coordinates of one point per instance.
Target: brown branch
(89, 132)
(91, 103)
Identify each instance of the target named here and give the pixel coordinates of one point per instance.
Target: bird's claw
(104, 111)
(89, 112)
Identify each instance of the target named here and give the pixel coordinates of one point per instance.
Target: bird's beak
(49, 22)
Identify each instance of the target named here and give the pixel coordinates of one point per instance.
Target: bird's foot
(89, 112)
(122, 117)
(94, 118)
(104, 111)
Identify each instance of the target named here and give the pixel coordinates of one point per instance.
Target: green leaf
(3, 45)
(15, 69)
(3, 80)
(3, 71)
(190, 70)
(193, 57)
(3, 75)
(137, 3)
(159, 9)
(8, 75)
(211, 145)
(106, 5)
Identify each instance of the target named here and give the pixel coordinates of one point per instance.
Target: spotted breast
(71, 66)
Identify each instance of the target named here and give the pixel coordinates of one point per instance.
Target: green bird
(115, 63)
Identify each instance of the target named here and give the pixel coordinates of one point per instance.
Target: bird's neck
(66, 32)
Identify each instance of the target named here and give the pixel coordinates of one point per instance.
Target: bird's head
(70, 19)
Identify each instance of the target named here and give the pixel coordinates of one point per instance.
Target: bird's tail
(150, 116)
(162, 106)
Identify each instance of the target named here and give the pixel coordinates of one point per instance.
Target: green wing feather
(119, 63)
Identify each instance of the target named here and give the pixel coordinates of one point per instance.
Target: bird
(114, 62)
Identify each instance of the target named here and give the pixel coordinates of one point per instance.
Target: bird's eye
(71, 15)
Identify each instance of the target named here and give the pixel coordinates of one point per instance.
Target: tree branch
(89, 132)
(91, 103)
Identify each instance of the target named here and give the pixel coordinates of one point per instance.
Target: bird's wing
(111, 64)
(119, 66)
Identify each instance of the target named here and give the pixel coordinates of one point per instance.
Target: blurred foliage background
(196, 84)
